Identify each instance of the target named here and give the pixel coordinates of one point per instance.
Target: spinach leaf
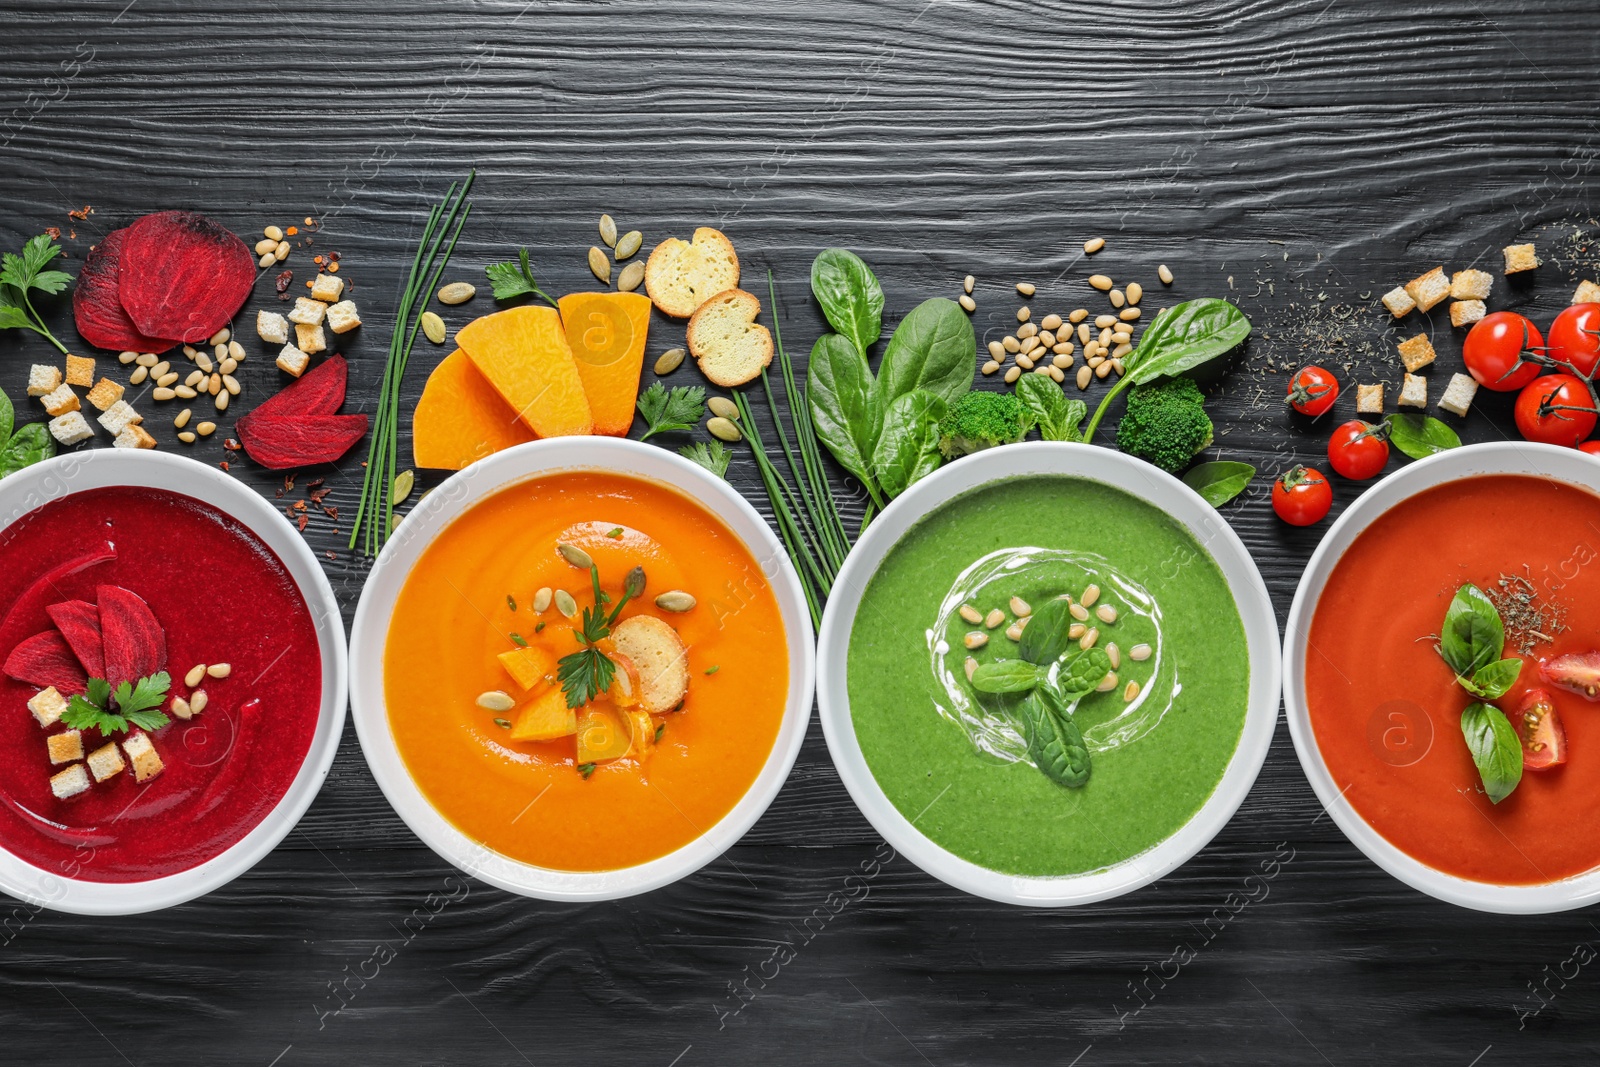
(1005, 676)
(908, 447)
(1185, 336)
(8, 417)
(1473, 635)
(1055, 743)
(932, 350)
(851, 299)
(1056, 416)
(1080, 674)
(839, 393)
(1044, 639)
(1220, 481)
(27, 446)
(1495, 749)
(1420, 436)
(1493, 680)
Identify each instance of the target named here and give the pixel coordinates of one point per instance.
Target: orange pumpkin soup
(626, 775)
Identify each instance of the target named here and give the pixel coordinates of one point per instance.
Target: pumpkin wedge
(606, 332)
(523, 353)
(461, 418)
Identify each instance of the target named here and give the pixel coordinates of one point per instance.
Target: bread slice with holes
(725, 338)
(681, 275)
(657, 652)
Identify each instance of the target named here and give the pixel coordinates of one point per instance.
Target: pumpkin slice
(601, 736)
(523, 353)
(461, 418)
(546, 719)
(528, 665)
(606, 332)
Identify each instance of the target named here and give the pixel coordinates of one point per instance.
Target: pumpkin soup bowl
(1106, 475)
(437, 521)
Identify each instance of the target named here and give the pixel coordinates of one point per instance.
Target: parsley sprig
(514, 278)
(666, 410)
(713, 455)
(21, 273)
(135, 703)
(587, 673)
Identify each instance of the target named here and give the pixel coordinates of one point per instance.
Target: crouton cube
(293, 361)
(144, 757)
(60, 400)
(70, 782)
(118, 416)
(272, 327)
(327, 287)
(1428, 289)
(309, 339)
(1588, 293)
(1399, 302)
(1414, 392)
(307, 312)
(1466, 312)
(133, 436)
(106, 761)
(70, 428)
(65, 747)
(342, 317)
(1520, 258)
(47, 706)
(1458, 396)
(1471, 285)
(105, 393)
(80, 370)
(43, 380)
(1417, 352)
(1369, 399)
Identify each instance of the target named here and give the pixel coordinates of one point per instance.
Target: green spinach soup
(1048, 676)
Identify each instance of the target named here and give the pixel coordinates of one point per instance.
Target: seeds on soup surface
(1089, 638)
(994, 618)
(975, 640)
(541, 599)
(971, 614)
(1139, 652)
(196, 673)
(1026, 288)
(722, 406)
(1090, 595)
(1020, 607)
(565, 604)
(723, 429)
(1076, 630)
(198, 701)
(1014, 631)
(1129, 692)
(495, 700)
(675, 600)
(1108, 683)
(669, 361)
(180, 708)
(575, 556)
(1106, 613)
(1114, 654)
(970, 666)
(219, 670)
(1079, 612)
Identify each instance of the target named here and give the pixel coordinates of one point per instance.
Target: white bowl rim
(453, 498)
(140, 468)
(1468, 461)
(1122, 472)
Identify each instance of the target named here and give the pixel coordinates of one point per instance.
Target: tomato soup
(474, 595)
(1386, 709)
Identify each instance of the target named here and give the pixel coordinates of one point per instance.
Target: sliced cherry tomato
(1576, 672)
(1495, 349)
(1591, 447)
(1575, 338)
(1302, 496)
(1313, 390)
(1358, 450)
(1544, 742)
(1556, 410)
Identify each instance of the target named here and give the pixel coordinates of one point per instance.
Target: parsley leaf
(19, 274)
(514, 278)
(587, 673)
(148, 693)
(713, 456)
(135, 703)
(667, 410)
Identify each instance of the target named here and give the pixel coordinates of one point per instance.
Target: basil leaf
(1183, 337)
(1056, 416)
(1080, 674)
(1420, 436)
(839, 394)
(1220, 481)
(851, 298)
(1493, 680)
(1055, 743)
(1045, 638)
(8, 417)
(1473, 635)
(1005, 676)
(1495, 749)
(932, 349)
(27, 446)
(908, 447)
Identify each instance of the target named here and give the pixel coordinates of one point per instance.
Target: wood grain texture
(1300, 157)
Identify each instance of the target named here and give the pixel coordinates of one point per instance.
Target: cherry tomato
(1591, 447)
(1358, 450)
(1544, 742)
(1494, 351)
(1575, 338)
(1556, 410)
(1302, 496)
(1313, 390)
(1576, 672)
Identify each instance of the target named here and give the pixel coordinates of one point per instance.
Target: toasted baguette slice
(681, 275)
(663, 663)
(724, 336)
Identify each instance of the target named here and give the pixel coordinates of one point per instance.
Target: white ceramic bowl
(449, 501)
(1500, 457)
(31, 488)
(1132, 476)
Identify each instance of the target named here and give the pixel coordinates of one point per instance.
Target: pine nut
(230, 383)
(1043, 368)
(236, 351)
(281, 253)
(1020, 608)
(1058, 375)
(198, 701)
(183, 418)
(1029, 344)
(1078, 315)
(266, 260)
(1076, 630)
(162, 393)
(206, 429)
(1105, 322)
(127, 357)
(1090, 595)
(1139, 653)
(1013, 374)
(1135, 291)
(220, 337)
(1023, 313)
(265, 246)
(970, 666)
(1129, 314)
(1093, 245)
(1114, 654)
(186, 436)
(180, 708)
(146, 359)
(1079, 612)
(214, 383)
(1027, 329)
(971, 614)
(975, 640)
(1117, 368)
(1024, 362)
(196, 674)
(997, 350)
(1116, 298)
(1014, 631)
(1065, 348)
(1026, 288)
(1105, 338)
(968, 303)
(1011, 344)
(1106, 614)
(1084, 375)
(991, 366)
(1130, 692)
(1100, 282)
(1121, 350)
(1164, 274)
(184, 392)
(1083, 333)
(273, 232)
(1087, 640)
(1103, 369)
(221, 402)
(994, 618)
(541, 599)
(195, 378)
(228, 366)
(1061, 361)
(203, 361)
(220, 670)
(1120, 336)
(1050, 322)
(967, 283)
(1094, 360)
(1046, 338)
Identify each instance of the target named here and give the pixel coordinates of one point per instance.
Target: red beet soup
(218, 595)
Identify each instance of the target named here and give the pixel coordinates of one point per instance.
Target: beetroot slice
(279, 442)
(79, 623)
(135, 644)
(45, 660)
(319, 392)
(28, 611)
(181, 275)
(97, 307)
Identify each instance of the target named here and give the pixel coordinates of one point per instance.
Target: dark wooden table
(1299, 157)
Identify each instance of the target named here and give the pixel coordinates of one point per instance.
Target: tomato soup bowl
(1564, 465)
(449, 502)
(54, 479)
(1145, 483)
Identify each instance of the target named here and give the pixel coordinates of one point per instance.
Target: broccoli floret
(1166, 424)
(981, 420)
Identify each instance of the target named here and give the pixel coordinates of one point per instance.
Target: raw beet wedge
(79, 623)
(279, 442)
(97, 305)
(45, 660)
(319, 392)
(135, 645)
(181, 275)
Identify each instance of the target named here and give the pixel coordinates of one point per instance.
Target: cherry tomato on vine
(1556, 410)
(1313, 390)
(1575, 338)
(1591, 447)
(1494, 351)
(1302, 496)
(1358, 450)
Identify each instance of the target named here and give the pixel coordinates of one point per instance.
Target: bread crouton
(65, 747)
(343, 316)
(1417, 352)
(272, 327)
(119, 416)
(80, 371)
(1471, 284)
(1399, 302)
(1414, 392)
(43, 379)
(327, 287)
(106, 761)
(725, 338)
(1588, 293)
(70, 782)
(47, 706)
(293, 361)
(657, 651)
(681, 275)
(1458, 396)
(1369, 399)
(60, 400)
(1520, 258)
(310, 339)
(144, 757)
(70, 428)
(105, 393)
(1428, 289)
(133, 436)
(307, 312)
(1466, 312)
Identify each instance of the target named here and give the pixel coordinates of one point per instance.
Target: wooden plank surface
(1300, 157)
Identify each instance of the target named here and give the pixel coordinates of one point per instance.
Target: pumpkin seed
(721, 405)
(631, 276)
(1090, 595)
(401, 489)
(1106, 613)
(575, 556)
(628, 244)
(675, 600)
(669, 361)
(723, 429)
(600, 264)
(1108, 683)
(608, 230)
(1087, 640)
(541, 599)
(1114, 654)
(565, 604)
(433, 327)
(1014, 631)
(1079, 612)
(457, 293)
(496, 700)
